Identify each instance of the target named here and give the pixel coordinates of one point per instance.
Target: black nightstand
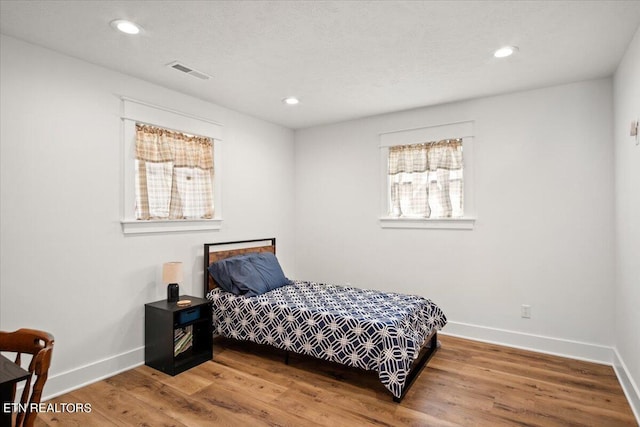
(177, 338)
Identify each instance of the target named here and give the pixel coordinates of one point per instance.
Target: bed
(392, 334)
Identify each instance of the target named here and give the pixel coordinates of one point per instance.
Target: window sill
(132, 226)
(439, 223)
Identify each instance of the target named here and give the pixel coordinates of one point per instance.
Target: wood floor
(466, 383)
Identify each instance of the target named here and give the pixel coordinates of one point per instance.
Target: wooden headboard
(216, 251)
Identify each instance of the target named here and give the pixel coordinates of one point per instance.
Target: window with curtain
(174, 175)
(426, 180)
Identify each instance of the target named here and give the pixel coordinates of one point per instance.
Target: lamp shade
(172, 272)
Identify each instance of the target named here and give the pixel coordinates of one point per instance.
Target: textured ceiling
(342, 59)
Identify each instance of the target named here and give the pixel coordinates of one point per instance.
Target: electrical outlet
(525, 311)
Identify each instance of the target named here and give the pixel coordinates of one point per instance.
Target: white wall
(66, 267)
(544, 230)
(627, 215)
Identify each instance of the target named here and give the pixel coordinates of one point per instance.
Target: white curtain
(425, 180)
(174, 174)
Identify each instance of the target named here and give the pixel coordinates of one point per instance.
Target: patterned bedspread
(366, 329)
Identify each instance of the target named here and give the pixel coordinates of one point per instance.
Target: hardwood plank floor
(466, 383)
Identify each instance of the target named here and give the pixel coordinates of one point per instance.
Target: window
(171, 170)
(427, 181)
(174, 175)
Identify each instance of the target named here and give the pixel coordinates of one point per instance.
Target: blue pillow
(249, 275)
(269, 269)
(246, 278)
(221, 272)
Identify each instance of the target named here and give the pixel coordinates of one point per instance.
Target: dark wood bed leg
(420, 363)
(286, 358)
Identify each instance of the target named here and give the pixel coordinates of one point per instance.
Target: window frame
(462, 130)
(135, 111)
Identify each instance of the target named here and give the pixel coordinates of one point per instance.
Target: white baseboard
(629, 386)
(555, 346)
(65, 382)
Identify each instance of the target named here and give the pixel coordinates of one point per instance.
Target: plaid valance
(162, 145)
(429, 156)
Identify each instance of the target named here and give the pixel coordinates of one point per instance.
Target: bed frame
(217, 251)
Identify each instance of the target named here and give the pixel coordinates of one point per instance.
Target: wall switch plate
(634, 128)
(525, 311)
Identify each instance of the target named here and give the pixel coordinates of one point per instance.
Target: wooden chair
(39, 344)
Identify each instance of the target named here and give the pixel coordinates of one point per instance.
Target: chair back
(39, 344)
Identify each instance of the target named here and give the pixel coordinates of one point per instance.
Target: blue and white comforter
(367, 329)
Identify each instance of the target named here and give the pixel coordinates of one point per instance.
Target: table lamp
(171, 275)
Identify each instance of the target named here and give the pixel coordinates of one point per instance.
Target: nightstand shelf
(177, 338)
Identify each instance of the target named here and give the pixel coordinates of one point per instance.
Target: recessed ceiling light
(127, 27)
(505, 51)
(291, 100)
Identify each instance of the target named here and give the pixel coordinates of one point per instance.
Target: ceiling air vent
(188, 70)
